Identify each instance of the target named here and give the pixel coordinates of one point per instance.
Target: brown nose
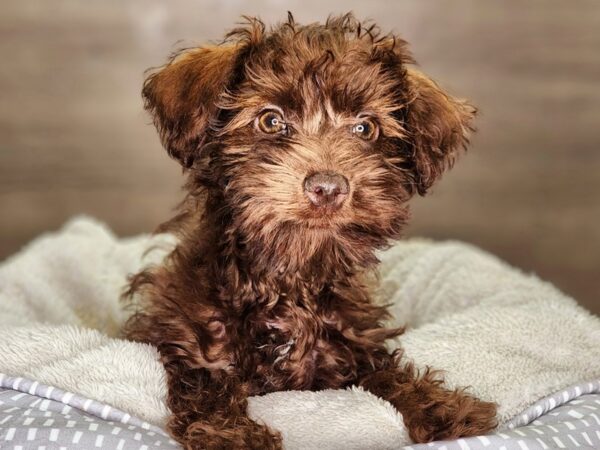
(326, 189)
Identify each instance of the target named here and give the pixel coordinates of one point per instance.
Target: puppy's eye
(365, 129)
(271, 122)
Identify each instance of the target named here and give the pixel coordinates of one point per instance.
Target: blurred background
(74, 137)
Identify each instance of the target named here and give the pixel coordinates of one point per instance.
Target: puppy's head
(325, 130)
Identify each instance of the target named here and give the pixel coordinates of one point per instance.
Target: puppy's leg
(209, 413)
(430, 411)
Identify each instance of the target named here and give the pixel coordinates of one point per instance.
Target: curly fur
(265, 292)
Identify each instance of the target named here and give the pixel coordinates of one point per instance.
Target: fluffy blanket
(509, 336)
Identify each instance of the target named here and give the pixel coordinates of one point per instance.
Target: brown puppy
(302, 146)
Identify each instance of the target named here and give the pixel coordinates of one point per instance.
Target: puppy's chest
(297, 351)
(280, 338)
(274, 344)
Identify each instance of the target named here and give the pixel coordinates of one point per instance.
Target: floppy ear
(181, 97)
(439, 126)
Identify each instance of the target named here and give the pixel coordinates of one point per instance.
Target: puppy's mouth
(326, 192)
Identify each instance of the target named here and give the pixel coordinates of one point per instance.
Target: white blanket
(511, 337)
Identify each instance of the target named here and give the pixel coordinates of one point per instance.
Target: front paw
(241, 434)
(451, 415)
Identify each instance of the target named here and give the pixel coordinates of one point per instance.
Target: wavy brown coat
(265, 291)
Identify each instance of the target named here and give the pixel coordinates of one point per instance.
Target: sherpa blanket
(510, 337)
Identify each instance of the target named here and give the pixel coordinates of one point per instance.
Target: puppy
(302, 146)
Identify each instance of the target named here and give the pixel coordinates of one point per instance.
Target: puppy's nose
(326, 189)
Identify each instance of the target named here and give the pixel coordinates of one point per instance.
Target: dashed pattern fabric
(569, 419)
(39, 417)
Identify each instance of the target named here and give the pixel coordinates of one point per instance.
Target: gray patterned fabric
(35, 416)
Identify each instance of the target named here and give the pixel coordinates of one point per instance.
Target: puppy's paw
(451, 415)
(240, 434)
(471, 417)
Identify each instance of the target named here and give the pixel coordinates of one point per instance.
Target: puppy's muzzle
(326, 189)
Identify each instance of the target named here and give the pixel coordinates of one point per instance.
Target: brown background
(74, 138)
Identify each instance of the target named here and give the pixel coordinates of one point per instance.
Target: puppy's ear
(181, 97)
(439, 126)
